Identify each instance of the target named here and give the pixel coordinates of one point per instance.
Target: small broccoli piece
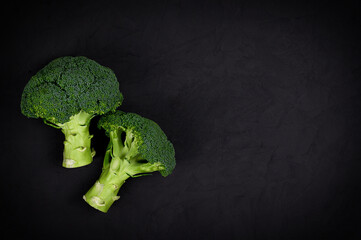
(67, 93)
(137, 147)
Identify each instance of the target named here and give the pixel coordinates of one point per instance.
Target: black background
(261, 100)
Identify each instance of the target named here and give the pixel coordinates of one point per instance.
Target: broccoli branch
(121, 161)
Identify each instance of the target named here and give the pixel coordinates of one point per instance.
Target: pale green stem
(77, 144)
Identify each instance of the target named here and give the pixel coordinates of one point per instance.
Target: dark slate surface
(261, 101)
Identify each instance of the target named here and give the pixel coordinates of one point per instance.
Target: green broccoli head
(67, 93)
(68, 85)
(145, 140)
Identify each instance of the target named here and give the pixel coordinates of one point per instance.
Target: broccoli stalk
(132, 152)
(77, 150)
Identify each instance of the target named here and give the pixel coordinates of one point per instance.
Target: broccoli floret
(67, 93)
(137, 147)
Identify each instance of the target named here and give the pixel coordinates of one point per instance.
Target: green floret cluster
(68, 85)
(70, 91)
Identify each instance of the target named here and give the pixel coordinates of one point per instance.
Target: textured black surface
(261, 101)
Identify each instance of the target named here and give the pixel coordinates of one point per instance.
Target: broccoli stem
(105, 190)
(77, 150)
(125, 162)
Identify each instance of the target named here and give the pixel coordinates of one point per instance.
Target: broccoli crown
(150, 140)
(68, 85)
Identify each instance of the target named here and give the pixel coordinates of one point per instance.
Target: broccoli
(67, 93)
(137, 147)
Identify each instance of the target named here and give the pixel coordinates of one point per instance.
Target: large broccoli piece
(137, 147)
(67, 93)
